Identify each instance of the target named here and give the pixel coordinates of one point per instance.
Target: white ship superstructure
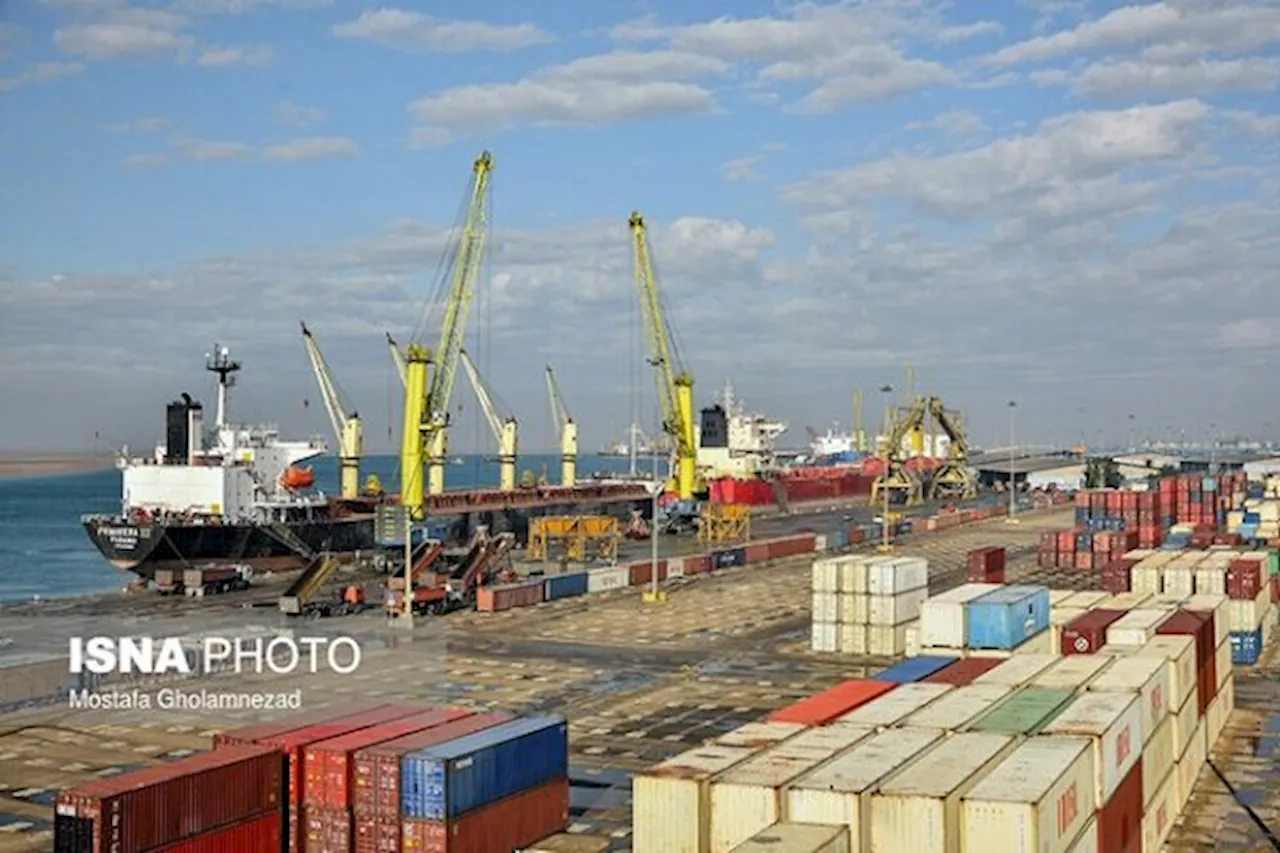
(749, 443)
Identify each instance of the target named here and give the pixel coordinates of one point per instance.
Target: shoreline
(22, 467)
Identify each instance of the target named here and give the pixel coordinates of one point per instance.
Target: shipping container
(959, 707)
(1158, 757)
(1248, 614)
(1089, 841)
(640, 573)
(1214, 607)
(1088, 633)
(838, 793)
(852, 638)
(826, 606)
(1244, 579)
(330, 765)
(1024, 712)
(729, 557)
(1017, 670)
(757, 552)
(914, 669)
(261, 834)
(1246, 647)
(1157, 820)
(1180, 651)
(824, 636)
(851, 574)
(986, 565)
(602, 580)
(568, 842)
(943, 622)
(891, 610)
(1136, 627)
(377, 768)
(1114, 723)
(825, 574)
(1037, 800)
(746, 798)
(160, 805)
(671, 802)
(760, 735)
(1218, 712)
(1185, 720)
(1120, 817)
(261, 732)
(1148, 678)
(917, 809)
(1085, 598)
(564, 586)
(886, 640)
(1124, 602)
(963, 671)
(506, 824)
(1072, 673)
(895, 575)
(1007, 617)
(1036, 644)
(821, 708)
(797, 838)
(495, 599)
(450, 779)
(1187, 770)
(325, 830)
(377, 834)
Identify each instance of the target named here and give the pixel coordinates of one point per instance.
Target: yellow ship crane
(675, 382)
(428, 389)
(895, 477)
(346, 425)
(567, 429)
(397, 358)
(953, 478)
(505, 430)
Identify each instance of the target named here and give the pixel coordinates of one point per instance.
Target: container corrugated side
(1007, 617)
(1217, 606)
(450, 779)
(963, 671)
(824, 637)
(917, 809)
(895, 609)
(852, 575)
(671, 802)
(1017, 670)
(1073, 672)
(260, 732)
(1059, 618)
(1158, 817)
(1147, 676)
(825, 606)
(260, 834)
(788, 837)
(1086, 598)
(837, 793)
(603, 580)
(896, 575)
(1037, 800)
(1189, 764)
(760, 735)
(1222, 666)
(1180, 651)
(825, 576)
(887, 641)
(506, 824)
(958, 708)
(1185, 722)
(1218, 712)
(1136, 627)
(745, 798)
(942, 617)
(1088, 842)
(1158, 757)
(1114, 722)
(896, 705)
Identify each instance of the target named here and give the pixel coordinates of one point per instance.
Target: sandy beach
(42, 464)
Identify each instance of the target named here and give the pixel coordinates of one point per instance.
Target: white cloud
(290, 113)
(637, 66)
(314, 148)
(223, 56)
(414, 31)
(742, 168)
(954, 122)
(1263, 125)
(205, 149)
(1141, 77)
(287, 151)
(41, 72)
(124, 31)
(236, 7)
(954, 35)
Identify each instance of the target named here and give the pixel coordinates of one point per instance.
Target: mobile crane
(505, 429)
(567, 429)
(952, 479)
(346, 424)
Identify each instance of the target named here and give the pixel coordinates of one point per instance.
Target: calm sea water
(44, 550)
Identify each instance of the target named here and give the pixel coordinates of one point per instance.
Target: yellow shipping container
(670, 809)
(1147, 676)
(797, 838)
(954, 710)
(1158, 817)
(1158, 757)
(890, 708)
(1073, 672)
(1188, 768)
(1017, 670)
(1113, 721)
(1180, 651)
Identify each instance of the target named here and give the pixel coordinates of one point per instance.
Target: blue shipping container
(914, 669)
(1209, 484)
(1007, 617)
(442, 782)
(564, 586)
(730, 557)
(838, 538)
(1246, 647)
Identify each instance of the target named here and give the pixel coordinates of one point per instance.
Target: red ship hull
(798, 485)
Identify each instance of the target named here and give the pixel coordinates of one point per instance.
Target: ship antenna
(221, 363)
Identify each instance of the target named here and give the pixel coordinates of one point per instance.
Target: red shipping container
(1083, 499)
(1120, 818)
(1198, 624)
(641, 572)
(1066, 541)
(256, 835)
(757, 552)
(1084, 560)
(377, 768)
(821, 708)
(160, 805)
(791, 546)
(1244, 579)
(508, 824)
(856, 536)
(696, 564)
(494, 599)
(260, 732)
(1087, 633)
(326, 830)
(377, 834)
(1049, 540)
(986, 565)
(963, 671)
(330, 769)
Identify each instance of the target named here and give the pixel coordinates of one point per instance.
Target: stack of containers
(862, 605)
(944, 619)
(986, 565)
(1009, 619)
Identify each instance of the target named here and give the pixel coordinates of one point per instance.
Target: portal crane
(895, 477)
(674, 381)
(428, 391)
(953, 478)
(346, 425)
(505, 430)
(567, 429)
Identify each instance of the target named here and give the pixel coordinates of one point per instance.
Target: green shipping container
(1025, 712)
(1273, 561)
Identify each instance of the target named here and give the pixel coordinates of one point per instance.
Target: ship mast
(221, 363)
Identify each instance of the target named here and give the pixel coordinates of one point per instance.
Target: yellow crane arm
(397, 357)
(324, 378)
(487, 406)
(558, 408)
(914, 419)
(458, 307)
(958, 447)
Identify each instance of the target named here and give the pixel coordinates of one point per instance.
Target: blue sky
(1071, 204)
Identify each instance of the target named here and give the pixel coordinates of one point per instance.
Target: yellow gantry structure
(952, 479)
(505, 429)
(580, 536)
(674, 381)
(567, 429)
(346, 425)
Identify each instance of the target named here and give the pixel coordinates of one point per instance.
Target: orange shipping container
(641, 572)
(492, 599)
(822, 708)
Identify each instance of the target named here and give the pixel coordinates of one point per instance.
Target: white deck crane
(505, 430)
(346, 425)
(567, 429)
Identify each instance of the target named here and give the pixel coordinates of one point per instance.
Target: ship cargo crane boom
(567, 430)
(505, 429)
(674, 381)
(346, 425)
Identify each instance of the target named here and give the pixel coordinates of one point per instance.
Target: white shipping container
(1036, 644)
(1146, 676)
(1114, 722)
(853, 639)
(1146, 578)
(1072, 672)
(759, 735)
(1089, 840)
(797, 838)
(912, 637)
(1017, 670)
(1057, 596)
(1086, 599)
(826, 607)
(1158, 817)
(1158, 757)
(897, 574)
(838, 792)
(1211, 580)
(1123, 601)
(675, 567)
(853, 608)
(917, 809)
(820, 542)
(1058, 618)
(602, 580)
(895, 609)
(1218, 712)
(826, 574)
(1180, 581)
(1185, 722)
(1136, 627)
(890, 708)
(955, 709)
(1217, 605)
(745, 798)
(1247, 615)
(1180, 651)
(670, 808)
(1187, 770)
(853, 575)
(1165, 601)
(825, 637)
(1222, 666)
(1037, 801)
(886, 641)
(942, 617)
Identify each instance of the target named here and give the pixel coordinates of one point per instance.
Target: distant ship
(639, 444)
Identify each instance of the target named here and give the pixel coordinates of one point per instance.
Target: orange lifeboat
(296, 477)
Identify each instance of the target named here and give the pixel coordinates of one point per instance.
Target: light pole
(1133, 443)
(885, 545)
(1013, 456)
(654, 594)
(1213, 446)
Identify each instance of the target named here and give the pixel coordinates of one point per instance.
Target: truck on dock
(199, 582)
(445, 580)
(303, 597)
